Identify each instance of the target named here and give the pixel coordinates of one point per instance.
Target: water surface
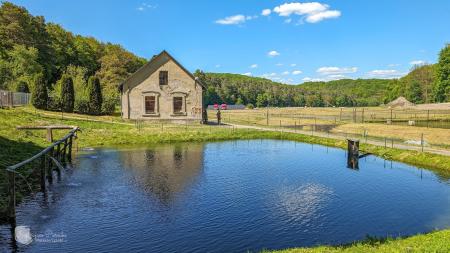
(230, 197)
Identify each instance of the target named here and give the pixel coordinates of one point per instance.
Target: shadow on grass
(12, 152)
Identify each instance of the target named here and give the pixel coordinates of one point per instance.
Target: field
(430, 127)
(112, 131)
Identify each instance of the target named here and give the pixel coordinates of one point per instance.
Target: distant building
(400, 102)
(162, 90)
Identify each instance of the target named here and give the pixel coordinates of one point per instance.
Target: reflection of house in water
(165, 170)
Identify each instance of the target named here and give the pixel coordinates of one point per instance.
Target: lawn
(17, 145)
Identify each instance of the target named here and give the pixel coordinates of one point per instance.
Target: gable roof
(150, 67)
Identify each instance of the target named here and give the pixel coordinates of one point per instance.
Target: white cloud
(313, 11)
(288, 21)
(285, 73)
(336, 70)
(293, 65)
(251, 17)
(279, 64)
(393, 65)
(385, 73)
(145, 6)
(309, 79)
(247, 74)
(232, 20)
(254, 66)
(273, 53)
(266, 12)
(317, 17)
(297, 72)
(417, 62)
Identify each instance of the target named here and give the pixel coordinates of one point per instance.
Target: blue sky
(291, 42)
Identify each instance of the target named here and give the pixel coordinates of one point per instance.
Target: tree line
(63, 71)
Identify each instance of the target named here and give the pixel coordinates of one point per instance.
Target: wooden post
(12, 196)
(50, 167)
(267, 117)
(428, 118)
(392, 143)
(340, 115)
(69, 154)
(391, 116)
(63, 155)
(49, 134)
(58, 152)
(421, 141)
(42, 173)
(385, 142)
(362, 116)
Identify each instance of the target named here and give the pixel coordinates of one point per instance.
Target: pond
(233, 196)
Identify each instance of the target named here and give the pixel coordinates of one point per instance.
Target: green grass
(17, 145)
(438, 241)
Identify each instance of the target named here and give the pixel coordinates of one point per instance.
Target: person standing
(219, 117)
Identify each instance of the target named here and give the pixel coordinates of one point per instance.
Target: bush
(67, 93)
(109, 106)
(22, 87)
(82, 106)
(39, 97)
(250, 106)
(95, 96)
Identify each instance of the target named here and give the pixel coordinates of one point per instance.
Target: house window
(163, 77)
(150, 104)
(178, 105)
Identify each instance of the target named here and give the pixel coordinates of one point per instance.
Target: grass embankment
(17, 145)
(432, 242)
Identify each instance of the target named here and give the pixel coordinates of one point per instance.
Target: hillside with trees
(49, 61)
(240, 89)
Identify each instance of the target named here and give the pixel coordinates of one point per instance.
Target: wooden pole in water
(12, 196)
(42, 173)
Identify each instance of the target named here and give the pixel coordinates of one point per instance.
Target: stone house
(162, 89)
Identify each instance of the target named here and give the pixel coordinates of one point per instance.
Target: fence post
(362, 116)
(12, 195)
(385, 142)
(392, 143)
(428, 118)
(267, 117)
(421, 141)
(340, 115)
(391, 116)
(42, 173)
(69, 154)
(49, 166)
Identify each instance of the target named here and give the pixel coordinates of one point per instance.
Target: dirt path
(333, 136)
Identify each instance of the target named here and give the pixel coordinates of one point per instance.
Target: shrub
(250, 106)
(95, 96)
(109, 105)
(67, 93)
(22, 87)
(39, 97)
(82, 106)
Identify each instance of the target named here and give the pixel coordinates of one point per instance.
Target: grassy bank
(432, 242)
(17, 145)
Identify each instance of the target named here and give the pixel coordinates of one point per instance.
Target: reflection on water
(164, 170)
(229, 197)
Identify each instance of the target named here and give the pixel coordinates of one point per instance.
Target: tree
(67, 94)
(442, 81)
(23, 65)
(414, 92)
(39, 96)
(95, 95)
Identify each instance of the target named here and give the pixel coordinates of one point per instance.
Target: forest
(69, 72)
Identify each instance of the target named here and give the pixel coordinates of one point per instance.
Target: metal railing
(54, 157)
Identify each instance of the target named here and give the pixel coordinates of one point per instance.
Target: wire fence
(11, 99)
(433, 134)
